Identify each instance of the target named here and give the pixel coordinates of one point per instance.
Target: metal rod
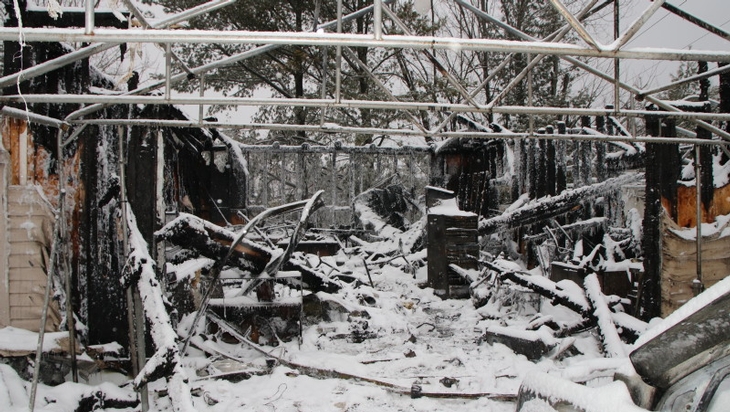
(370, 104)
(168, 70)
(201, 111)
(70, 321)
(89, 17)
(699, 76)
(378, 19)
(636, 25)
(85, 52)
(338, 59)
(34, 117)
(698, 202)
(576, 24)
(616, 62)
(701, 23)
(407, 132)
(353, 40)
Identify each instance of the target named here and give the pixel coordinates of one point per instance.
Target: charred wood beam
(212, 241)
(165, 362)
(549, 207)
(610, 340)
(577, 303)
(579, 227)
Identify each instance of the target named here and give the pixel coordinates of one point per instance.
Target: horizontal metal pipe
(366, 104)
(352, 40)
(369, 149)
(404, 132)
(33, 117)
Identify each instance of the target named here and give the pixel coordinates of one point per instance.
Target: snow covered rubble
(385, 342)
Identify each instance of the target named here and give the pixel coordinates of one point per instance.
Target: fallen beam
(549, 207)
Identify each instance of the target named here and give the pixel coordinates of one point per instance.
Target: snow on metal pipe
(378, 19)
(34, 117)
(89, 17)
(367, 104)
(353, 40)
(190, 13)
(636, 25)
(400, 132)
(576, 24)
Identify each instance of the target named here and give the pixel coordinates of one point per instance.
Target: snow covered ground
(413, 339)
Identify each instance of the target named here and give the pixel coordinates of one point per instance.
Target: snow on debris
(21, 341)
(609, 398)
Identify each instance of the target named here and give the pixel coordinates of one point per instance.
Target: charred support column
(725, 96)
(551, 172)
(560, 172)
(662, 173)
(585, 155)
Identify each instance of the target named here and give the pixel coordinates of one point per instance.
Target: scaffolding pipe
(105, 35)
(636, 26)
(34, 117)
(698, 203)
(338, 58)
(89, 17)
(598, 137)
(368, 104)
(574, 22)
(378, 19)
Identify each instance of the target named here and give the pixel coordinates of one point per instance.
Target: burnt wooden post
(560, 173)
(662, 173)
(551, 166)
(650, 287)
(541, 165)
(725, 95)
(585, 154)
(531, 166)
